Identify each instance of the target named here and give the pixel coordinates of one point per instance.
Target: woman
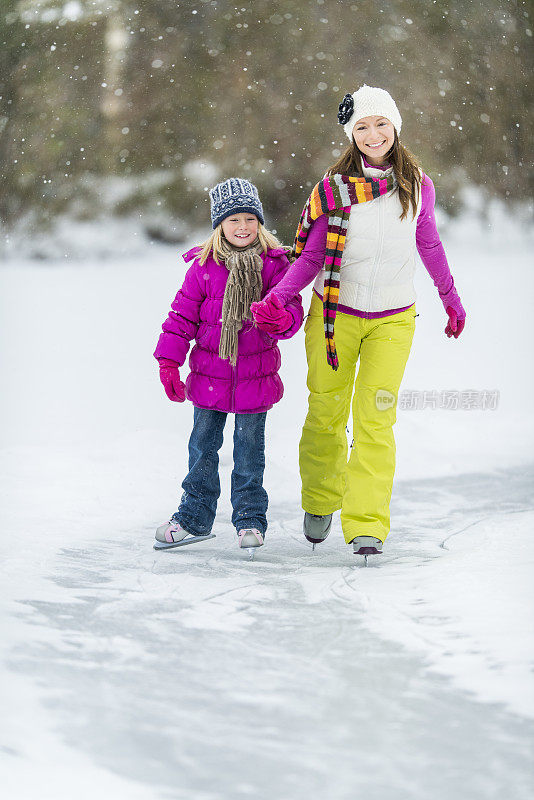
(357, 237)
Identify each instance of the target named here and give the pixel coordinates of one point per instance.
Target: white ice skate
(171, 534)
(367, 546)
(249, 539)
(316, 527)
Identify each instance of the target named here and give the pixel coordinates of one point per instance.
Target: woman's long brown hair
(407, 171)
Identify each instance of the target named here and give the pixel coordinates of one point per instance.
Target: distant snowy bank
(108, 236)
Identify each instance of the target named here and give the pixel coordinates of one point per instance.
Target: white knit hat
(368, 101)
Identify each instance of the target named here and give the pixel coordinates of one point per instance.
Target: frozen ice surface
(200, 674)
(196, 673)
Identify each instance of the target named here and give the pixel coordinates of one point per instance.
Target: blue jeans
(202, 485)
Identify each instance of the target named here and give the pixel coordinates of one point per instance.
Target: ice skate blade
(314, 542)
(366, 552)
(183, 543)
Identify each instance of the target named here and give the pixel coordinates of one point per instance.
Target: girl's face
(240, 229)
(374, 136)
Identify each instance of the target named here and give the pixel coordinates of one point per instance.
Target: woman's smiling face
(374, 137)
(240, 229)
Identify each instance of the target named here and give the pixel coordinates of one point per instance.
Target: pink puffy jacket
(253, 385)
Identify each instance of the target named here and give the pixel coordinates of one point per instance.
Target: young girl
(233, 365)
(357, 236)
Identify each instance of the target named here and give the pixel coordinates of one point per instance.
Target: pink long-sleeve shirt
(429, 246)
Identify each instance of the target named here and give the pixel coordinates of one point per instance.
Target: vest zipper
(379, 250)
(232, 390)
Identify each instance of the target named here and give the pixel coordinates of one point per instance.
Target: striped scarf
(335, 195)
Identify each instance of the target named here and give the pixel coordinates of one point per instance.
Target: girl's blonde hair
(405, 165)
(213, 244)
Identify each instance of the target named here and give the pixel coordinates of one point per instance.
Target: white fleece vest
(378, 261)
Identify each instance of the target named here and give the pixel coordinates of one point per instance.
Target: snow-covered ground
(197, 674)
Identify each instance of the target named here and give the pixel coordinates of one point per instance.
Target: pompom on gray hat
(234, 196)
(368, 101)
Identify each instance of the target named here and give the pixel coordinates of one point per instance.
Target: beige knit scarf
(243, 287)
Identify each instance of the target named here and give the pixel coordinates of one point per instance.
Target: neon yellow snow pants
(362, 487)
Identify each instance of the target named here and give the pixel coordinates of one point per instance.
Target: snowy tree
(165, 97)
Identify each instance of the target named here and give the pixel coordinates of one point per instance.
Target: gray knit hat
(232, 197)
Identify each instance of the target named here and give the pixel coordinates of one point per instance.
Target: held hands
(271, 316)
(455, 312)
(170, 378)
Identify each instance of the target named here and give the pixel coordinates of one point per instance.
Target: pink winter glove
(271, 316)
(170, 378)
(455, 324)
(455, 312)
